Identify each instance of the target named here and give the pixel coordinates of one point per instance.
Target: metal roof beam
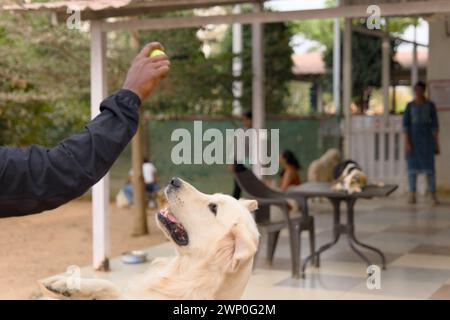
(355, 11)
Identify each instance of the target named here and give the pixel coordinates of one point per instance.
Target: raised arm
(35, 178)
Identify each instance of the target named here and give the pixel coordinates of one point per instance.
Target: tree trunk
(140, 215)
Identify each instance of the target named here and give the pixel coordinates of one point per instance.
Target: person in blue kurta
(421, 127)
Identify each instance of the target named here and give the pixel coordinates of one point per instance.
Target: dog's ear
(251, 205)
(245, 245)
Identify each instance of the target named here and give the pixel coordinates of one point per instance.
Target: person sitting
(289, 176)
(150, 180)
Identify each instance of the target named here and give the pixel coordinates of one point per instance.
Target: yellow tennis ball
(156, 52)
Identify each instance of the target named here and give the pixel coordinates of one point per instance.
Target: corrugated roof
(312, 63)
(72, 4)
(405, 58)
(101, 9)
(98, 5)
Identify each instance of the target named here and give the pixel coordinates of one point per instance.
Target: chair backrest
(255, 187)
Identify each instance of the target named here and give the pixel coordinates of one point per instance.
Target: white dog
(321, 170)
(215, 237)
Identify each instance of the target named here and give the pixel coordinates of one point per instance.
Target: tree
(140, 226)
(278, 65)
(44, 80)
(366, 66)
(366, 51)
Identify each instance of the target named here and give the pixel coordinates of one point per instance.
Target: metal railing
(379, 148)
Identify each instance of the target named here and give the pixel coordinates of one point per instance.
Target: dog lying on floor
(348, 176)
(215, 237)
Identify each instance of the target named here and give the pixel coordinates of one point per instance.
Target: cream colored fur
(216, 264)
(321, 170)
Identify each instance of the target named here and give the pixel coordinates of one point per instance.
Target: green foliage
(366, 50)
(196, 85)
(44, 80)
(34, 122)
(278, 64)
(366, 64)
(45, 75)
(320, 31)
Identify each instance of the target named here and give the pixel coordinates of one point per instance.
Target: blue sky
(287, 5)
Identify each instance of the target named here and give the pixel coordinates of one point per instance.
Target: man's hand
(437, 149)
(145, 72)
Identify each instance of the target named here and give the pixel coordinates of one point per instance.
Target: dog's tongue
(171, 217)
(166, 212)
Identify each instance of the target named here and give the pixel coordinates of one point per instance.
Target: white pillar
(237, 63)
(414, 65)
(337, 65)
(347, 87)
(386, 75)
(258, 97)
(100, 192)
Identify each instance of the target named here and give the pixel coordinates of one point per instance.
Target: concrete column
(347, 86)
(438, 69)
(337, 64)
(258, 95)
(237, 63)
(100, 191)
(386, 74)
(414, 65)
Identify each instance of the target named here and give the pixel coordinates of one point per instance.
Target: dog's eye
(213, 208)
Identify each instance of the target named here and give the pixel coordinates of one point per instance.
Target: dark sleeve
(434, 118)
(35, 178)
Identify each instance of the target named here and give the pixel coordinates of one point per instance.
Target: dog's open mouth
(174, 227)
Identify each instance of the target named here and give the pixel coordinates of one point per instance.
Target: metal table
(317, 189)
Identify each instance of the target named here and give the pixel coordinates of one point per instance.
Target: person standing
(421, 129)
(150, 180)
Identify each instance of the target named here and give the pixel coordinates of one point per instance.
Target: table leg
(308, 225)
(359, 253)
(336, 232)
(353, 240)
(294, 239)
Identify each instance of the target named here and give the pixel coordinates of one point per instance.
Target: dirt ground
(38, 246)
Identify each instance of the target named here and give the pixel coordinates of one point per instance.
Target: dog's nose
(175, 182)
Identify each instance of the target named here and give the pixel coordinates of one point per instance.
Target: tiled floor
(415, 240)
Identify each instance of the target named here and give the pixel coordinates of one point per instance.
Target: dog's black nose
(175, 182)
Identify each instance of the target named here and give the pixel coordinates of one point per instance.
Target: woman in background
(290, 170)
(421, 127)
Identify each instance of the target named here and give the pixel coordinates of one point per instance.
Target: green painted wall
(307, 138)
